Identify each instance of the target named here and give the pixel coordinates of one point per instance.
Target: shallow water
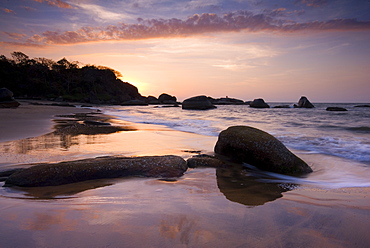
(229, 207)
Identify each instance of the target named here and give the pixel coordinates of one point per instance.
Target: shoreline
(205, 207)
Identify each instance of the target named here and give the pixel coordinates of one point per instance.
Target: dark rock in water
(282, 106)
(205, 161)
(258, 103)
(134, 102)
(63, 105)
(304, 103)
(197, 103)
(98, 168)
(7, 173)
(7, 100)
(362, 106)
(226, 101)
(335, 109)
(167, 99)
(260, 149)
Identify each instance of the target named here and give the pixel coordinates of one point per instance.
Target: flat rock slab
(98, 168)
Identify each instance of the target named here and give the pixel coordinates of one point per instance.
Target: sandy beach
(207, 207)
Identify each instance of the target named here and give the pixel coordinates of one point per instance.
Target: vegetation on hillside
(46, 79)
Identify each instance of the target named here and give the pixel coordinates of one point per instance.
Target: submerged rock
(98, 168)
(304, 103)
(197, 103)
(260, 149)
(258, 103)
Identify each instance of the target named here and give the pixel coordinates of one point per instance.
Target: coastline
(195, 210)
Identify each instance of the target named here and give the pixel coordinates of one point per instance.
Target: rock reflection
(239, 185)
(62, 191)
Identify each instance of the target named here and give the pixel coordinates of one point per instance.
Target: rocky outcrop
(226, 101)
(304, 103)
(258, 103)
(167, 99)
(7, 100)
(197, 103)
(152, 100)
(97, 168)
(335, 109)
(260, 149)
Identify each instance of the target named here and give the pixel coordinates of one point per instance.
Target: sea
(341, 137)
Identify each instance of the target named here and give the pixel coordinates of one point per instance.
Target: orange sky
(238, 49)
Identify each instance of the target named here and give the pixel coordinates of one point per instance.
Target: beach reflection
(238, 185)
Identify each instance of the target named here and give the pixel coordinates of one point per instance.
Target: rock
(304, 103)
(134, 102)
(335, 109)
(152, 100)
(7, 100)
(6, 95)
(98, 168)
(226, 101)
(197, 103)
(282, 106)
(167, 99)
(205, 161)
(260, 149)
(362, 106)
(258, 103)
(9, 104)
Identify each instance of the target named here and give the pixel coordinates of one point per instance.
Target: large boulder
(197, 103)
(167, 99)
(97, 168)
(260, 149)
(226, 101)
(258, 103)
(304, 103)
(7, 100)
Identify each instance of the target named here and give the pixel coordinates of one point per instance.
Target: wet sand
(206, 207)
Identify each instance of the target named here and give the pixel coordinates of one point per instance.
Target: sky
(278, 50)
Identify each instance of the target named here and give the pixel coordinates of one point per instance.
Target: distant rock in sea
(258, 103)
(304, 103)
(362, 106)
(226, 101)
(198, 103)
(134, 103)
(335, 109)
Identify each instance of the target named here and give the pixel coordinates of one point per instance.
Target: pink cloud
(194, 25)
(8, 10)
(56, 3)
(313, 3)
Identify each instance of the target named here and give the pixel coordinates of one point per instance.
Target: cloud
(313, 3)
(16, 36)
(195, 25)
(56, 3)
(8, 10)
(100, 13)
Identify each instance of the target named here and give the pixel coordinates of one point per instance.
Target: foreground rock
(98, 168)
(7, 100)
(260, 149)
(197, 103)
(258, 103)
(304, 103)
(165, 98)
